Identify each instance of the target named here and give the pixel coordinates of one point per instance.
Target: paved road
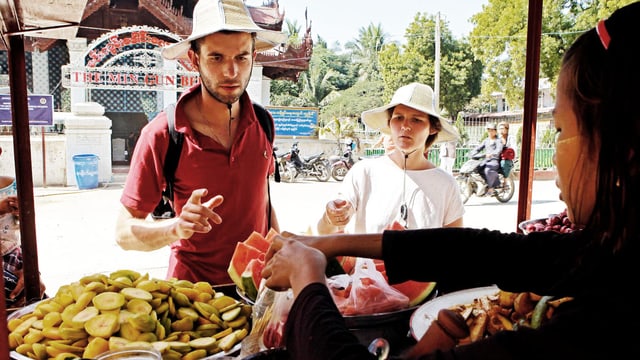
(75, 229)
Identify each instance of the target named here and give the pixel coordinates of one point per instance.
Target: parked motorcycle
(340, 165)
(282, 158)
(302, 167)
(471, 182)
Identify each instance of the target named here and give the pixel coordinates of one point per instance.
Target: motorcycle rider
(295, 156)
(492, 147)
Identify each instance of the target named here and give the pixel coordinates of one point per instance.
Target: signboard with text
(292, 121)
(40, 110)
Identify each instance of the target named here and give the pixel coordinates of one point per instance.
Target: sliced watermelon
(251, 278)
(416, 291)
(272, 232)
(242, 255)
(257, 241)
(347, 263)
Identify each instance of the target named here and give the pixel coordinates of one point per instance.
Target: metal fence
(542, 158)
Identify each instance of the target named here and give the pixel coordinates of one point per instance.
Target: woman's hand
(338, 212)
(291, 264)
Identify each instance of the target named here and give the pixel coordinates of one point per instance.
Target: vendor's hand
(283, 269)
(338, 212)
(196, 217)
(8, 205)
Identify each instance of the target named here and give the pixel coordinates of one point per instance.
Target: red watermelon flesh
(242, 255)
(256, 266)
(271, 234)
(257, 241)
(416, 291)
(348, 263)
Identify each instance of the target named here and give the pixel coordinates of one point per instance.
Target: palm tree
(365, 49)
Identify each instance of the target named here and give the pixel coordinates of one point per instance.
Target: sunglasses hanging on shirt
(404, 210)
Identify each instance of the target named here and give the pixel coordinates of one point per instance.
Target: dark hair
(603, 85)
(195, 44)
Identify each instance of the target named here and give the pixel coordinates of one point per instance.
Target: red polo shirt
(239, 176)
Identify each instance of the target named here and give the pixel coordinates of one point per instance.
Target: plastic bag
(273, 335)
(368, 293)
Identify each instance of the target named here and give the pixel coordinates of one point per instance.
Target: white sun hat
(416, 96)
(211, 16)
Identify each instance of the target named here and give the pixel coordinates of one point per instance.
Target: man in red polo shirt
(221, 182)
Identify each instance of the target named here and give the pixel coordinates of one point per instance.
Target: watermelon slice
(242, 255)
(416, 291)
(271, 234)
(257, 241)
(251, 278)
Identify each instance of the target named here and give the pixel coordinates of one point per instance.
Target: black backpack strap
(173, 151)
(266, 121)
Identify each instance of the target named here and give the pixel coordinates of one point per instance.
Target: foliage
(460, 72)
(350, 103)
(459, 124)
(498, 39)
(365, 50)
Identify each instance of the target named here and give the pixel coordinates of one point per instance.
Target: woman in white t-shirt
(401, 189)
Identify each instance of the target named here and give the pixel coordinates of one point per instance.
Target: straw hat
(211, 16)
(417, 96)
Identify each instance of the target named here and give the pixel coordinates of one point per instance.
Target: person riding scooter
(492, 147)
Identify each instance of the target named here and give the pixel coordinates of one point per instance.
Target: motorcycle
(340, 165)
(312, 166)
(471, 182)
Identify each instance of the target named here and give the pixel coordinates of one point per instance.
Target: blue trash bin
(86, 166)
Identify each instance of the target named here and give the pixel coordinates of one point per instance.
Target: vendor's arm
(466, 257)
(135, 232)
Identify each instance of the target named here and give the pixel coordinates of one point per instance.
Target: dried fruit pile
(559, 223)
(98, 313)
(506, 311)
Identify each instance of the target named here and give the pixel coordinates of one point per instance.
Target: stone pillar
(255, 88)
(77, 49)
(89, 132)
(40, 72)
(168, 96)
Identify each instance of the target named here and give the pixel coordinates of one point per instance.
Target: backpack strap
(173, 152)
(266, 121)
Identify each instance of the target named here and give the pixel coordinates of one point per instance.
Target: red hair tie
(603, 34)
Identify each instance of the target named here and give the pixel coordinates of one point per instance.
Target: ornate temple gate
(124, 72)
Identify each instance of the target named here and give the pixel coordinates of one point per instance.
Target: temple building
(140, 28)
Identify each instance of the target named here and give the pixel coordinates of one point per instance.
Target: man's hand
(196, 216)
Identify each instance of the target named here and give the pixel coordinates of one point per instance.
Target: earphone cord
(230, 118)
(404, 210)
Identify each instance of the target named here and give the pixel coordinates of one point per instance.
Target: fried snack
(505, 311)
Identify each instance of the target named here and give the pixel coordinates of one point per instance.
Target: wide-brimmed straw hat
(211, 16)
(416, 96)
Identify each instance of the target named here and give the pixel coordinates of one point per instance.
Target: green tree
(350, 103)
(460, 72)
(365, 50)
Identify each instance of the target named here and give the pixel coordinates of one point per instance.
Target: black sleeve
(316, 330)
(460, 258)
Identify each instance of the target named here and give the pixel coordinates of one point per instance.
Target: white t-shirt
(375, 189)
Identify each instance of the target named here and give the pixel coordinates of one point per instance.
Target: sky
(341, 20)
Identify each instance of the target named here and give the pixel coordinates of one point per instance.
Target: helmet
(491, 126)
